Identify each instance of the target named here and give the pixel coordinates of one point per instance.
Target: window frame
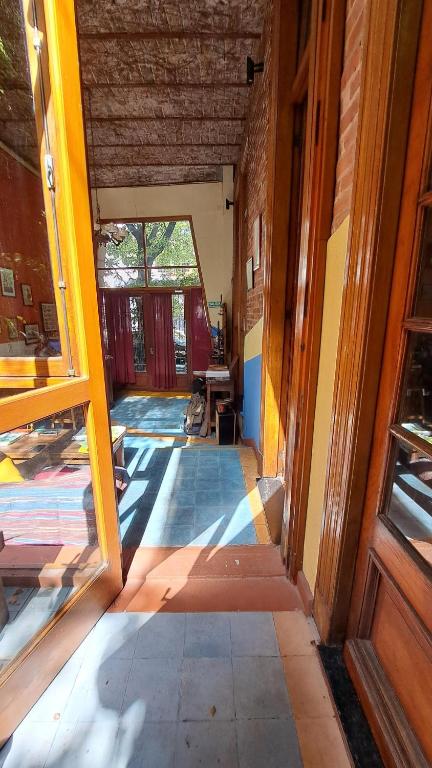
(147, 286)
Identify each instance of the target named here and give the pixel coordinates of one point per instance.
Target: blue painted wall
(252, 399)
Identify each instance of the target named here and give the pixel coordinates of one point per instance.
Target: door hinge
(49, 172)
(318, 122)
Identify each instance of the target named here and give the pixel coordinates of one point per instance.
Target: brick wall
(349, 106)
(254, 164)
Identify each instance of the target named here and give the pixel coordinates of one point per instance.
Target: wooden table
(59, 448)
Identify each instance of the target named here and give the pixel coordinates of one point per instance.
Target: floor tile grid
(245, 729)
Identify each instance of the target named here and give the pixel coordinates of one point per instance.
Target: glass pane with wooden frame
(46, 391)
(147, 254)
(408, 499)
(34, 331)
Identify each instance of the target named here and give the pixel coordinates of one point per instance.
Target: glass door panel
(60, 558)
(34, 331)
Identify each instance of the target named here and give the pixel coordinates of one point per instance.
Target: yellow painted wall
(253, 341)
(213, 224)
(334, 278)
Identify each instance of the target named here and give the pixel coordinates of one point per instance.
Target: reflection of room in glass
(28, 318)
(410, 504)
(49, 541)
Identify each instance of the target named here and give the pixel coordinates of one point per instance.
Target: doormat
(362, 745)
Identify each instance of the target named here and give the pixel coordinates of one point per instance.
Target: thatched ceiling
(165, 94)
(164, 86)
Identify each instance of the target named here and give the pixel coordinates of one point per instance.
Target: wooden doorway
(389, 650)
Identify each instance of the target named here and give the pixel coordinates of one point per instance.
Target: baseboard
(305, 593)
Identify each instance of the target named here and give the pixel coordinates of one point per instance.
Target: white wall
(212, 223)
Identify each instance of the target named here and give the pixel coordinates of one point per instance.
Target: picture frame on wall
(32, 333)
(49, 317)
(12, 328)
(249, 274)
(257, 243)
(7, 282)
(27, 295)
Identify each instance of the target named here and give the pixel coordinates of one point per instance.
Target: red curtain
(200, 333)
(118, 337)
(164, 354)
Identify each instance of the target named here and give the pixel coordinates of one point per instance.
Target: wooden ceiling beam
(94, 166)
(124, 86)
(162, 118)
(174, 144)
(169, 35)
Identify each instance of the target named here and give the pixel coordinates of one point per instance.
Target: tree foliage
(167, 244)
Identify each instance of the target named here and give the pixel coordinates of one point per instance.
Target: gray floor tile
(83, 745)
(53, 702)
(253, 634)
(113, 637)
(98, 692)
(154, 684)
(259, 687)
(207, 635)
(29, 746)
(153, 746)
(268, 744)
(161, 636)
(206, 691)
(209, 745)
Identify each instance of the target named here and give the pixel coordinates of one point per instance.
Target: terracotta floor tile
(223, 594)
(321, 743)
(307, 688)
(294, 634)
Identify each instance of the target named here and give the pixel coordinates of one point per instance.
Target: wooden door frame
(384, 554)
(24, 680)
(291, 378)
(389, 61)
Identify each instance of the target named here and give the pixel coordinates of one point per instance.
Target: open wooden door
(389, 650)
(60, 557)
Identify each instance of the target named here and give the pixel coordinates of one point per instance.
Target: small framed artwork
(49, 318)
(27, 294)
(7, 281)
(257, 243)
(32, 334)
(249, 274)
(12, 327)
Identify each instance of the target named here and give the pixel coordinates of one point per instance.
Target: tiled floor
(186, 690)
(163, 415)
(29, 610)
(185, 496)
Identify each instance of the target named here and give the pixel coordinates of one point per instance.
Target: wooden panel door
(389, 650)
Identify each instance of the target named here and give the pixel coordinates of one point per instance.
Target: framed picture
(49, 318)
(27, 295)
(7, 281)
(257, 243)
(249, 274)
(12, 327)
(32, 334)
